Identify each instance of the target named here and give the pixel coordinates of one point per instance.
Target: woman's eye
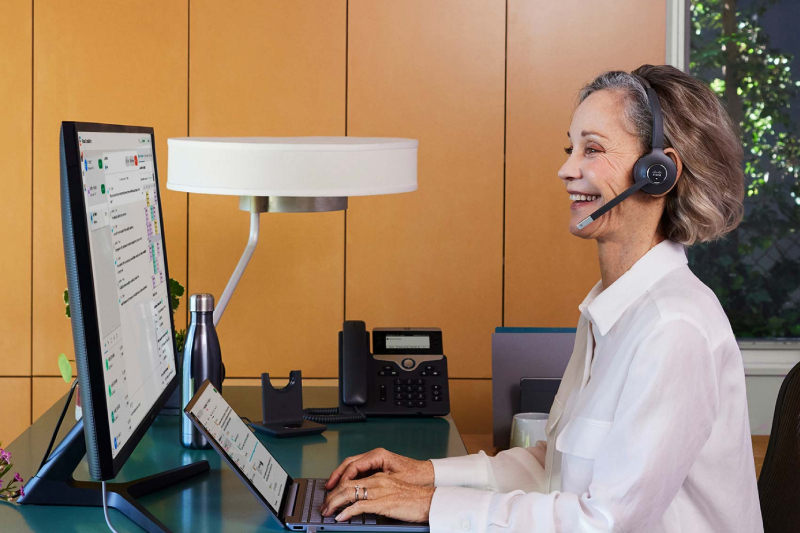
(590, 150)
(568, 151)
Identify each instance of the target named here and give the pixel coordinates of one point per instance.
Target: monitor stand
(54, 484)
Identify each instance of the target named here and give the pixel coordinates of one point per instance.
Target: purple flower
(18, 478)
(4, 455)
(1, 483)
(21, 491)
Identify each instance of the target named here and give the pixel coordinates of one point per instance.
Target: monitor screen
(129, 276)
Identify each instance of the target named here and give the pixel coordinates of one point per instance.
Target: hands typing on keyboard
(377, 482)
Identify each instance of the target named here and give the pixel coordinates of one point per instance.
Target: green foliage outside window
(755, 271)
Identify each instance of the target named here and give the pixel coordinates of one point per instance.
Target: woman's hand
(386, 495)
(379, 460)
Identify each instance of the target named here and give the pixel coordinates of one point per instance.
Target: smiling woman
(649, 429)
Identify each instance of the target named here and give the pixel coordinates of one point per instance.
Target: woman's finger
(360, 507)
(336, 474)
(367, 463)
(344, 494)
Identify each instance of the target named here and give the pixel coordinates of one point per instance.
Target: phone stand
(282, 409)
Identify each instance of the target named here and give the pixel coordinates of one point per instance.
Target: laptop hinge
(292, 500)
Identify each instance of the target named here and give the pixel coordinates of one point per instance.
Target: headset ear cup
(658, 169)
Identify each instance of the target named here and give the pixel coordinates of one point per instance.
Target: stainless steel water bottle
(202, 360)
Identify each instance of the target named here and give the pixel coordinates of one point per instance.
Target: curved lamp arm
(255, 219)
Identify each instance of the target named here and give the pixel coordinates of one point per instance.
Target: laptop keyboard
(315, 496)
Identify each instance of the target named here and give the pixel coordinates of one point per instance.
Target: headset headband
(655, 108)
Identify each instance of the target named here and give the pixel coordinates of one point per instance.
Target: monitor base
(54, 484)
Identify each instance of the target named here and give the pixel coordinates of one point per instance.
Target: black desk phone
(405, 375)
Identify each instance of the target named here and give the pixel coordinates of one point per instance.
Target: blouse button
(465, 525)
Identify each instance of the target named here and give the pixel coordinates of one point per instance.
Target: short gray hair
(706, 203)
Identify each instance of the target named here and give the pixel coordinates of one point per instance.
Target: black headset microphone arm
(603, 210)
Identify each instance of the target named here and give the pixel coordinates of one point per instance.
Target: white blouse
(648, 432)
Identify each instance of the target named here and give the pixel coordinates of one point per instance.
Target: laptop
(294, 502)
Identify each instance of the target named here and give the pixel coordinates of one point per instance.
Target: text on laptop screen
(241, 445)
(127, 250)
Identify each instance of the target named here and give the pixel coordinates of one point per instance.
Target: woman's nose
(569, 170)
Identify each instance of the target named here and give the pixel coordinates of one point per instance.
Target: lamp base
(292, 204)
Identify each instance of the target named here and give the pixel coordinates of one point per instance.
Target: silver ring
(365, 494)
(356, 492)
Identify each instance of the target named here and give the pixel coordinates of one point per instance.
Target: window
(745, 50)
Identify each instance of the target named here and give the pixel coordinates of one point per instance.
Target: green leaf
(65, 368)
(176, 290)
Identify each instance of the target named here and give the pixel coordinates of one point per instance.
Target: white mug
(527, 428)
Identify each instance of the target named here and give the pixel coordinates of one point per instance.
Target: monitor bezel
(109, 466)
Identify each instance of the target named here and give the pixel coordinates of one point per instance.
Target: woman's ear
(672, 154)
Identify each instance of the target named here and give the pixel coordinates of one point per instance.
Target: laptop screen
(240, 445)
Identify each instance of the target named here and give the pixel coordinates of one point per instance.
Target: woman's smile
(585, 200)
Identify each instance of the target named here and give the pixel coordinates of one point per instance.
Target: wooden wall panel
(99, 61)
(15, 409)
(433, 71)
(15, 162)
(553, 49)
(46, 392)
(471, 405)
(270, 69)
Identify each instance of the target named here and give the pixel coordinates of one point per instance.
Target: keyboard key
(398, 381)
(329, 520)
(420, 404)
(370, 519)
(357, 519)
(423, 374)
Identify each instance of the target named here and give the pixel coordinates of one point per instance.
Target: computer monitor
(118, 281)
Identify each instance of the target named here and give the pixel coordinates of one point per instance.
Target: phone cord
(331, 415)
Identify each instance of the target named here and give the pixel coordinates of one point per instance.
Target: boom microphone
(604, 209)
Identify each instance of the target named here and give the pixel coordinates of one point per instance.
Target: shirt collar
(605, 306)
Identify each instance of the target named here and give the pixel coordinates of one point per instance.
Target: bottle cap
(201, 303)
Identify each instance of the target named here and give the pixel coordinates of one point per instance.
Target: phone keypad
(415, 392)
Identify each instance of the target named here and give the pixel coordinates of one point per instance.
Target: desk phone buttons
(422, 389)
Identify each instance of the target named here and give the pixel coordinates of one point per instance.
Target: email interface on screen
(241, 445)
(125, 240)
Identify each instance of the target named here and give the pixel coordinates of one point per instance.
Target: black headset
(654, 173)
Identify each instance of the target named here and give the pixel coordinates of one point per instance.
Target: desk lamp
(289, 175)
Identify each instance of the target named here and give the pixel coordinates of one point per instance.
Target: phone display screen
(408, 342)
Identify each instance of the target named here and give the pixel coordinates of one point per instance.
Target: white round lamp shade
(292, 166)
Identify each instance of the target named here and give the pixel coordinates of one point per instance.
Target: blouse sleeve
(514, 469)
(665, 415)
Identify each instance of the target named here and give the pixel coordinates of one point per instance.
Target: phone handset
(353, 365)
(353, 361)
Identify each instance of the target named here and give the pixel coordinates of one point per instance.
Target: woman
(649, 430)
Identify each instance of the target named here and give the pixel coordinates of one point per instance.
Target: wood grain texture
(15, 409)
(270, 69)
(553, 49)
(433, 71)
(15, 161)
(111, 62)
(46, 392)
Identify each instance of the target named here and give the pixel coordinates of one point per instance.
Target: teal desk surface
(218, 501)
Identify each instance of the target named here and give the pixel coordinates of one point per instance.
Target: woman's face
(599, 167)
